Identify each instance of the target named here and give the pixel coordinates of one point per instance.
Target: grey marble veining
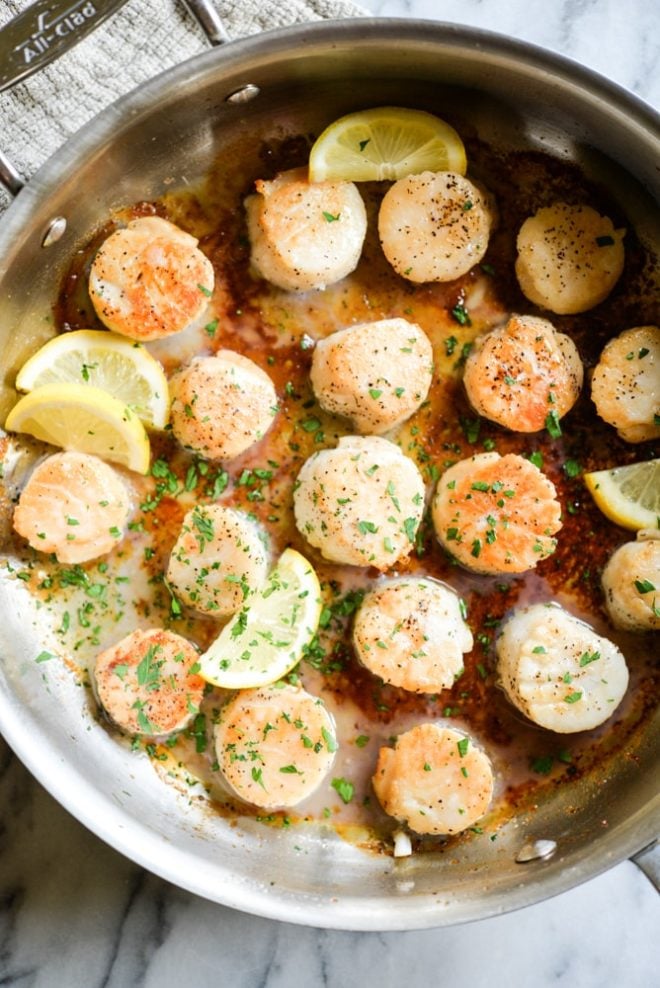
(75, 914)
(621, 41)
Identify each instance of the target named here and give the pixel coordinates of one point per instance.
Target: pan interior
(170, 135)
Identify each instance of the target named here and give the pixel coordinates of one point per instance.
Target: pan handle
(48, 28)
(648, 861)
(209, 20)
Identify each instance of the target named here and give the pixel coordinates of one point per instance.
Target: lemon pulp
(83, 418)
(266, 639)
(385, 143)
(126, 370)
(630, 495)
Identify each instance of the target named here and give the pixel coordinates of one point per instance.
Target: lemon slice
(105, 360)
(628, 496)
(83, 418)
(386, 143)
(265, 640)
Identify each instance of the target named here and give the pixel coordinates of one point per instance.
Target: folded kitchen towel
(136, 43)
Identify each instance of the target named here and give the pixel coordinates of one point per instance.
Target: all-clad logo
(48, 31)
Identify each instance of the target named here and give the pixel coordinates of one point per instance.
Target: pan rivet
(54, 232)
(244, 94)
(536, 850)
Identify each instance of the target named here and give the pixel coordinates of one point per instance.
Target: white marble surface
(74, 913)
(619, 40)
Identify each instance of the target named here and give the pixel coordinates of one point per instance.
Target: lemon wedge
(385, 143)
(265, 640)
(628, 496)
(124, 369)
(83, 418)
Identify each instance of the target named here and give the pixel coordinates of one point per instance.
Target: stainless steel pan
(167, 132)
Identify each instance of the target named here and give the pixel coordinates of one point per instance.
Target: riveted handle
(48, 28)
(45, 31)
(648, 860)
(209, 20)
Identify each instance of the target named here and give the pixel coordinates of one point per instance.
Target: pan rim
(396, 30)
(361, 914)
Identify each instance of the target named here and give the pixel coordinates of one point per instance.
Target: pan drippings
(277, 330)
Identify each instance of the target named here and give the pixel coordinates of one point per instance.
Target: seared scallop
(631, 581)
(435, 780)
(569, 258)
(305, 235)
(73, 505)
(222, 405)
(522, 372)
(434, 226)
(275, 745)
(496, 514)
(557, 671)
(219, 559)
(625, 386)
(149, 280)
(361, 503)
(376, 374)
(412, 633)
(148, 683)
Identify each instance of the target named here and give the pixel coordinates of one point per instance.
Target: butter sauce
(277, 330)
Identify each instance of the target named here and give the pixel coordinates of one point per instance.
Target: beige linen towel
(138, 42)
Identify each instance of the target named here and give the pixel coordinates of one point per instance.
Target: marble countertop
(75, 914)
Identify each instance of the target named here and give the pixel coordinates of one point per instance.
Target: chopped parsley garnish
(241, 623)
(204, 526)
(219, 484)
(552, 425)
(148, 669)
(198, 732)
(257, 776)
(330, 741)
(410, 528)
(344, 789)
(85, 369)
(471, 429)
(461, 315)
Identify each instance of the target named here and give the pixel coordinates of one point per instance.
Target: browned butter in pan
(95, 604)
